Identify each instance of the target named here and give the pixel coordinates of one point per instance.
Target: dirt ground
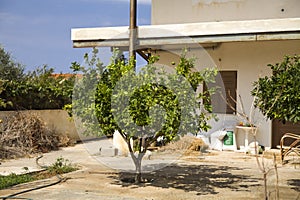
(212, 175)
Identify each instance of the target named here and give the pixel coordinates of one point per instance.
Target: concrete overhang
(154, 36)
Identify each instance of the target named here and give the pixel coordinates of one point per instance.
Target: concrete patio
(213, 175)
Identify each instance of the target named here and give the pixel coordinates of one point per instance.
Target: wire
(12, 196)
(17, 198)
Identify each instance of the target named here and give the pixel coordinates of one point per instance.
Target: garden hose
(15, 198)
(38, 164)
(12, 196)
(60, 179)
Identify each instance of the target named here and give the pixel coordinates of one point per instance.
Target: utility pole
(133, 29)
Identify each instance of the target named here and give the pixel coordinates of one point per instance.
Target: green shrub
(14, 179)
(61, 166)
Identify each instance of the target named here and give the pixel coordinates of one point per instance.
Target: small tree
(3, 102)
(278, 96)
(143, 106)
(9, 69)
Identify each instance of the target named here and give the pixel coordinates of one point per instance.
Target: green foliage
(83, 103)
(147, 97)
(140, 106)
(61, 166)
(3, 102)
(14, 179)
(278, 96)
(100, 86)
(9, 69)
(38, 89)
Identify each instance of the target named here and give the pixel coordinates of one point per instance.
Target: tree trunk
(138, 170)
(277, 178)
(266, 187)
(138, 166)
(137, 160)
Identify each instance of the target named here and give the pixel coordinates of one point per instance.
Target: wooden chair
(294, 145)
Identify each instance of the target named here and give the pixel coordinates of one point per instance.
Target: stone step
(108, 152)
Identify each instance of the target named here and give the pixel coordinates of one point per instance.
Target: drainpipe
(133, 29)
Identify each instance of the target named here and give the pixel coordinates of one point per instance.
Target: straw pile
(26, 134)
(186, 143)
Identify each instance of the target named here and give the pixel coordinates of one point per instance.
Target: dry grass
(25, 134)
(186, 143)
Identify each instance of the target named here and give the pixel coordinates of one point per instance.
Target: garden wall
(58, 120)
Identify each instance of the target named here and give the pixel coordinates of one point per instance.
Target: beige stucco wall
(54, 119)
(250, 59)
(189, 11)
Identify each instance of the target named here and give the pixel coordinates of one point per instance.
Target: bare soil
(211, 175)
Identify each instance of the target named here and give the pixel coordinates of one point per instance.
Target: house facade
(239, 37)
(246, 60)
(194, 11)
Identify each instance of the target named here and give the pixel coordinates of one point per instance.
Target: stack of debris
(186, 143)
(25, 134)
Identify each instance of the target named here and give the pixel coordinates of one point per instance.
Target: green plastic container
(228, 139)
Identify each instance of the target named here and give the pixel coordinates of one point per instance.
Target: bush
(38, 90)
(61, 166)
(14, 179)
(277, 96)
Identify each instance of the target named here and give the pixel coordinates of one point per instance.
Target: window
(224, 99)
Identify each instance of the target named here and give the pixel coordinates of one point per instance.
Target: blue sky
(37, 32)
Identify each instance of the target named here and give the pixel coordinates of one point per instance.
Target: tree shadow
(203, 179)
(295, 183)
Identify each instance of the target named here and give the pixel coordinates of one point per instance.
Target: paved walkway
(215, 175)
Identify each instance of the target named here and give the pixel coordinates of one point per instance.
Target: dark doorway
(226, 85)
(279, 129)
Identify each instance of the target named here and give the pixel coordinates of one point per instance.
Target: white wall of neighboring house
(249, 59)
(190, 11)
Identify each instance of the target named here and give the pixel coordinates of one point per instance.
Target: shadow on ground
(295, 183)
(203, 179)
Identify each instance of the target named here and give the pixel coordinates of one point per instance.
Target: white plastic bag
(217, 140)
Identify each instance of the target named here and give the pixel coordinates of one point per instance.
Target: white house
(240, 37)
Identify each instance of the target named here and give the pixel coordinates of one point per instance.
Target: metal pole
(132, 29)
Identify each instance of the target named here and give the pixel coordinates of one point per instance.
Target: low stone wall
(54, 119)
